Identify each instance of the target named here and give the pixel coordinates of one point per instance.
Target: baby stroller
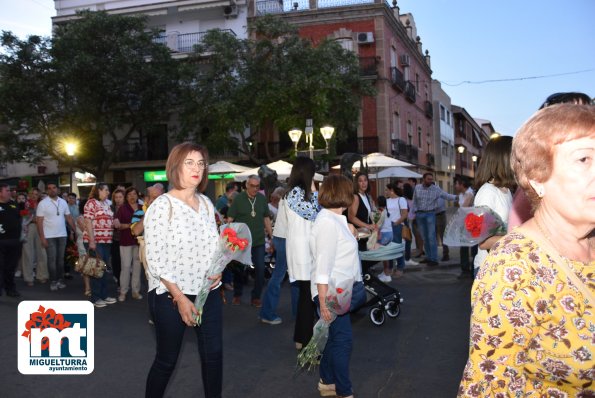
(383, 298)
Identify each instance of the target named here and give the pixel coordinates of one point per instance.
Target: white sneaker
(411, 262)
(61, 285)
(99, 303)
(384, 278)
(18, 274)
(109, 300)
(54, 286)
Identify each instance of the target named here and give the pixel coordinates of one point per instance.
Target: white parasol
(379, 160)
(395, 172)
(223, 167)
(282, 168)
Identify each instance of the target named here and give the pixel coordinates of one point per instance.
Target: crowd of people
(532, 323)
(44, 233)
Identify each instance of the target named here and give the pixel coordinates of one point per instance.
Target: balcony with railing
(412, 153)
(429, 109)
(368, 66)
(410, 91)
(396, 79)
(399, 149)
(264, 7)
(430, 160)
(184, 42)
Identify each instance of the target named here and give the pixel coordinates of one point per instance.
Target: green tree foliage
(99, 79)
(270, 82)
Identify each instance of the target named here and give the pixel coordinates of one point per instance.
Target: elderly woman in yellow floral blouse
(533, 321)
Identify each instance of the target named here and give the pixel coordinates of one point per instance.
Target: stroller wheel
(393, 309)
(376, 316)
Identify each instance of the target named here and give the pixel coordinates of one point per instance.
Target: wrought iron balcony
(368, 66)
(367, 144)
(412, 153)
(264, 7)
(429, 108)
(430, 160)
(399, 148)
(410, 91)
(396, 79)
(184, 42)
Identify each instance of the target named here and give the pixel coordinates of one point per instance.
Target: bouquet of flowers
(235, 243)
(338, 301)
(472, 225)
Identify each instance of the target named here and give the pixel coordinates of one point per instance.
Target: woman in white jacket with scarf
(301, 203)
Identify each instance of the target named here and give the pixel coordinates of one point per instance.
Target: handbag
(406, 233)
(91, 266)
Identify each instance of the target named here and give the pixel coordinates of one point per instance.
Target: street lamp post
(70, 148)
(295, 134)
(474, 159)
(461, 150)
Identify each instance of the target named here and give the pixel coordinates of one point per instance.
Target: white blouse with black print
(180, 243)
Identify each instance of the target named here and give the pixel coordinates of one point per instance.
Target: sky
(469, 41)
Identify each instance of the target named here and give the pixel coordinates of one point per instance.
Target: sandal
(326, 390)
(87, 293)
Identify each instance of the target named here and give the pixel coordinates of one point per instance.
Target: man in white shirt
(52, 215)
(466, 196)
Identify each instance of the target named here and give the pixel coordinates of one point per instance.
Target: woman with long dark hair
(495, 181)
(301, 201)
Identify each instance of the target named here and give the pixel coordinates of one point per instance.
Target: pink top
(521, 210)
(102, 217)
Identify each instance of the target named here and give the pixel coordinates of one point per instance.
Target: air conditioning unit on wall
(230, 11)
(404, 59)
(365, 37)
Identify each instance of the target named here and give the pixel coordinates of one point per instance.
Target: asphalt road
(419, 354)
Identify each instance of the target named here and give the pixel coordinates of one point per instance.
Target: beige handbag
(90, 266)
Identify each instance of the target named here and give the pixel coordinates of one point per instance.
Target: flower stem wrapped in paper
(470, 226)
(235, 243)
(338, 301)
(378, 218)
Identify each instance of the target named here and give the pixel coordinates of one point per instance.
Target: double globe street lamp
(326, 131)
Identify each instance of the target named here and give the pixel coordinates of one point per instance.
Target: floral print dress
(532, 331)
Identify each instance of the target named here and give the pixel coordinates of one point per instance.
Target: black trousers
(306, 315)
(10, 254)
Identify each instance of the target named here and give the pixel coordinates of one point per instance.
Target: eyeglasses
(189, 163)
(254, 185)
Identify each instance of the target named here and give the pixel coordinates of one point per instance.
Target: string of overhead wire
(515, 78)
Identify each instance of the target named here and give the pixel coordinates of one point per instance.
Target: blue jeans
(99, 285)
(427, 226)
(271, 296)
(258, 263)
(55, 253)
(334, 364)
(398, 238)
(169, 331)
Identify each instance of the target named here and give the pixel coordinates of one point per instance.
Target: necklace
(56, 206)
(554, 246)
(252, 203)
